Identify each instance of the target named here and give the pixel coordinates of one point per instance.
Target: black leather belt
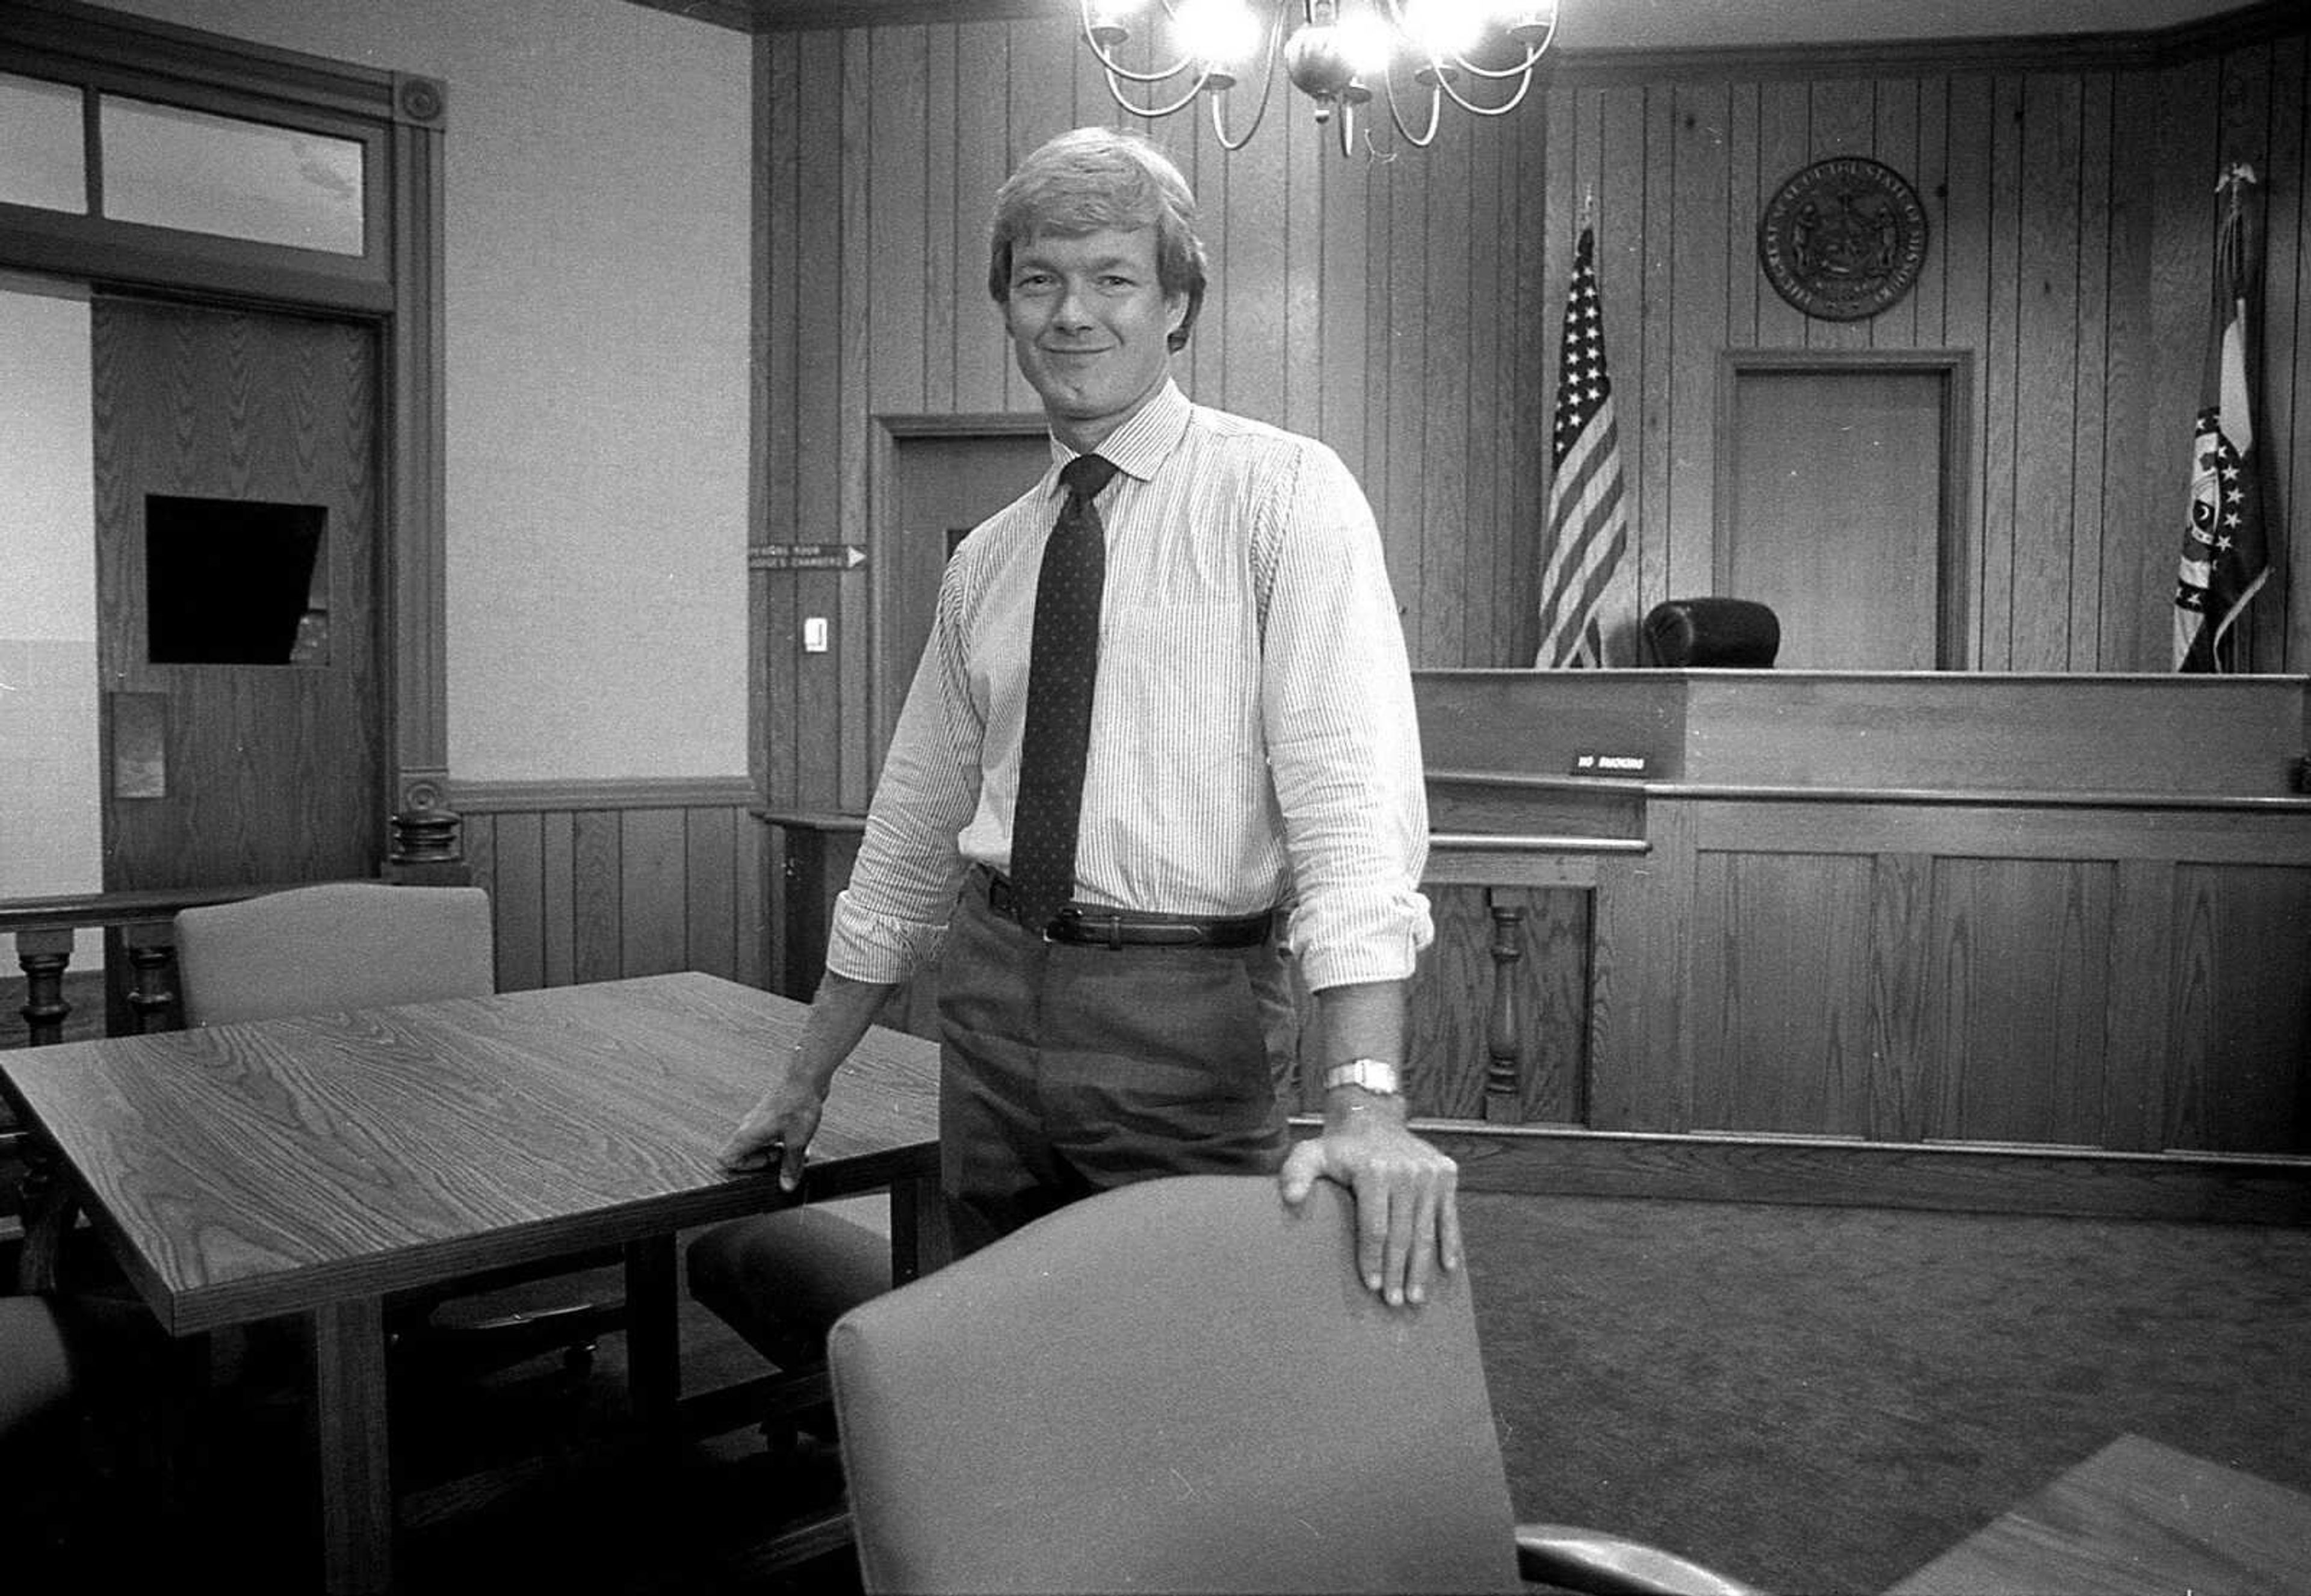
(1122, 928)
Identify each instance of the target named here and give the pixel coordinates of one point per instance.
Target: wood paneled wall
(2072, 215)
(1391, 309)
(1407, 313)
(601, 880)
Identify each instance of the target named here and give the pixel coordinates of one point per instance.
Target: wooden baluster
(44, 955)
(152, 979)
(1504, 1031)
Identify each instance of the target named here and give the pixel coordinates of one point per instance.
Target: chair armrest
(1589, 1560)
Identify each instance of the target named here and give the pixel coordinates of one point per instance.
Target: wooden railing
(141, 924)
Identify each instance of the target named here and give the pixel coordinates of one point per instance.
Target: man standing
(1165, 702)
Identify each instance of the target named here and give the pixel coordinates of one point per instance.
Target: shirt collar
(1142, 443)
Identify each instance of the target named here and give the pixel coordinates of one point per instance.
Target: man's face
(1088, 322)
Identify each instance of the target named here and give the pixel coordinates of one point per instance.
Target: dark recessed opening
(230, 581)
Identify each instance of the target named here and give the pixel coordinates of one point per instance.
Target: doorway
(933, 479)
(242, 705)
(1842, 502)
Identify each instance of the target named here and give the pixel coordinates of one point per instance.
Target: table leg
(918, 1238)
(349, 1441)
(653, 1336)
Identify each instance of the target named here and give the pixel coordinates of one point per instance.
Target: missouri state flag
(2226, 559)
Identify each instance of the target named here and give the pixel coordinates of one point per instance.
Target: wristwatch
(1373, 1075)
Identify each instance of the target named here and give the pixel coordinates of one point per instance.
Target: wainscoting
(598, 880)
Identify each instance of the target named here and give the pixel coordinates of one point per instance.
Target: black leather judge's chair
(1180, 1385)
(1733, 633)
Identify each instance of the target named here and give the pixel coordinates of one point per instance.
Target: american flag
(2225, 556)
(1588, 516)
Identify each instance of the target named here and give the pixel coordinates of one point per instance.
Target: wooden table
(313, 1165)
(2136, 1517)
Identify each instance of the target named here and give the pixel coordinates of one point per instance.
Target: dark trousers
(1066, 1070)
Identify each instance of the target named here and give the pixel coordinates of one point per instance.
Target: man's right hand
(780, 1124)
(778, 1127)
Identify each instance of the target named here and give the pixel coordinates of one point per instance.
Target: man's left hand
(1408, 1213)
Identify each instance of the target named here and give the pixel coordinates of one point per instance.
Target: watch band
(1373, 1075)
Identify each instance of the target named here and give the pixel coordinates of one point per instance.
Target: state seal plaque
(1844, 239)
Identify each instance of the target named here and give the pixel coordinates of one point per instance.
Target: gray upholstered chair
(348, 945)
(1180, 1385)
(1733, 634)
(337, 944)
(781, 1280)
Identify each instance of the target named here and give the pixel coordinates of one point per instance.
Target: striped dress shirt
(1252, 740)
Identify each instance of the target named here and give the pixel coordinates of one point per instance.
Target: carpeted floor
(1818, 1401)
(1821, 1399)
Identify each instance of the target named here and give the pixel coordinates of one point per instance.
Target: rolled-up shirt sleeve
(1343, 743)
(892, 917)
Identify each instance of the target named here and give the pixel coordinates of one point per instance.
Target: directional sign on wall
(806, 556)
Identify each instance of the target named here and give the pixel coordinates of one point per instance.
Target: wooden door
(942, 484)
(1841, 505)
(237, 591)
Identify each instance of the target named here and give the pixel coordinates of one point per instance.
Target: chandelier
(1339, 53)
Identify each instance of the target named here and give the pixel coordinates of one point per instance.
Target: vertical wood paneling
(2140, 1046)
(1901, 907)
(1647, 407)
(2181, 287)
(2004, 363)
(772, 599)
(653, 912)
(1894, 140)
(711, 884)
(2125, 636)
(824, 312)
(1780, 992)
(946, 269)
(1844, 123)
(1784, 148)
(2045, 381)
(2243, 1009)
(1443, 403)
(1743, 284)
(983, 58)
(597, 934)
(2286, 339)
(598, 894)
(558, 848)
(1699, 261)
(1965, 317)
(1931, 177)
(1489, 567)
(2027, 1056)
(517, 902)
(842, 595)
(2081, 640)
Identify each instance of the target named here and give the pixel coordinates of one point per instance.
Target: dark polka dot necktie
(1062, 663)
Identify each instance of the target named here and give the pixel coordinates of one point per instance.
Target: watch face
(1373, 1075)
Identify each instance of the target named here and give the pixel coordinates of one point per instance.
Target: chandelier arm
(1267, 87)
(1152, 113)
(1116, 69)
(1532, 55)
(1436, 110)
(1470, 106)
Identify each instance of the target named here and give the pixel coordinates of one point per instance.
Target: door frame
(1956, 538)
(396, 284)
